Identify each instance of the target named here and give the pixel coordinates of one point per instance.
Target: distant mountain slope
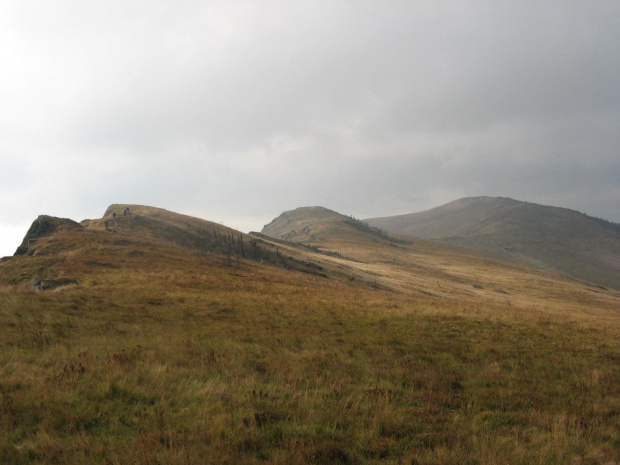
(421, 267)
(552, 238)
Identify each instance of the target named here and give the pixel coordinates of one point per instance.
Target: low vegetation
(551, 238)
(164, 354)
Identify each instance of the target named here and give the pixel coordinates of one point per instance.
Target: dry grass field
(175, 346)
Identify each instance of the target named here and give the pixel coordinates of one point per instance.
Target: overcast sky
(236, 111)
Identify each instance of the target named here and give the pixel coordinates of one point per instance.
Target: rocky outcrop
(43, 226)
(47, 284)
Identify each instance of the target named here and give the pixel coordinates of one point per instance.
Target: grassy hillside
(164, 351)
(552, 238)
(427, 268)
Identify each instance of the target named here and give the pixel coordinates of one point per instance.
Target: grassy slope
(166, 354)
(427, 268)
(548, 237)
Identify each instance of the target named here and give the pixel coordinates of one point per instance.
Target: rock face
(41, 227)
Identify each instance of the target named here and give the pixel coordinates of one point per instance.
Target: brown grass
(165, 355)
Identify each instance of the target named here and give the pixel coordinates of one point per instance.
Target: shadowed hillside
(159, 341)
(552, 238)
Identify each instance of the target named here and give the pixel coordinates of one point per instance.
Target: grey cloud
(244, 109)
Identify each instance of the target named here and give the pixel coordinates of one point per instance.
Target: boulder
(46, 284)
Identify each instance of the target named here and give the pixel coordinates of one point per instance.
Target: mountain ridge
(552, 238)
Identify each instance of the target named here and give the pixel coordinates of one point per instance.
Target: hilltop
(43, 226)
(294, 225)
(312, 224)
(552, 238)
(171, 339)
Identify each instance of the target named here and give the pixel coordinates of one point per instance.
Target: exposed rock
(46, 284)
(41, 227)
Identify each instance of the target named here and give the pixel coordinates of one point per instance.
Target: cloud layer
(236, 111)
